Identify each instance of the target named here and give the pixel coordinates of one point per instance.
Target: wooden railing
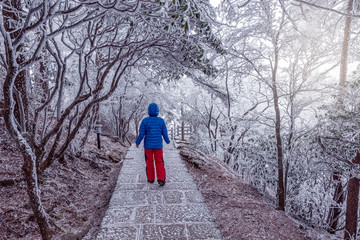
(182, 132)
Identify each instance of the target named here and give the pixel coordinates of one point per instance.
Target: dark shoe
(161, 183)
(151, 181)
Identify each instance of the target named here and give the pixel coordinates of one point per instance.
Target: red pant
(150, 154)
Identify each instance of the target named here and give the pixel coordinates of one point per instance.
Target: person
(153, 128)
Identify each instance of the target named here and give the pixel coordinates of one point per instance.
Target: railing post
(182, 131)
(98, 132)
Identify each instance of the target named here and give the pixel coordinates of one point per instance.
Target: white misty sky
(215, 2)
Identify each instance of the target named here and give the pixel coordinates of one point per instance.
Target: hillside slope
(240, 210)
(75, 192)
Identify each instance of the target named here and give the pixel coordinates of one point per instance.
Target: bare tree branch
(328, 9)
(337, 157)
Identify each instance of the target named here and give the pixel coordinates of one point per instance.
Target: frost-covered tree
(346, 9)
(280, 61)
(81, 51)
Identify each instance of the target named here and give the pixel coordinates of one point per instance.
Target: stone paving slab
(141, 210)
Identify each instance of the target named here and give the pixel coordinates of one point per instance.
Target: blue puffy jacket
(154, 129)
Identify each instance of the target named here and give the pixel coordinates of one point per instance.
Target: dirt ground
(239, 209)
(75, 193)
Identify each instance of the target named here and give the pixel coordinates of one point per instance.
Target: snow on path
(141, 210)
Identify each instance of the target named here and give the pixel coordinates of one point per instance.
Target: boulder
(115, 155)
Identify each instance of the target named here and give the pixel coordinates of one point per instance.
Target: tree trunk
(345, 46)
(90, 126)
(11, 11)
(30, 174)
(335, 209)
(182, 123)
(30, 167)
(136, 122)
(14, 111)
(22, 103)
(281, 189)
(60, 97)
(352, 204)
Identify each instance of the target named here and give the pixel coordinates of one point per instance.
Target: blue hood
(153, 110)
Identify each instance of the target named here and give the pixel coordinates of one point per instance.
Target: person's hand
(137, 146)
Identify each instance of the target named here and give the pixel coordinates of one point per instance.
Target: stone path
(141, 210)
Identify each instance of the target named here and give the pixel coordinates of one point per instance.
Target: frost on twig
(338, 157)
